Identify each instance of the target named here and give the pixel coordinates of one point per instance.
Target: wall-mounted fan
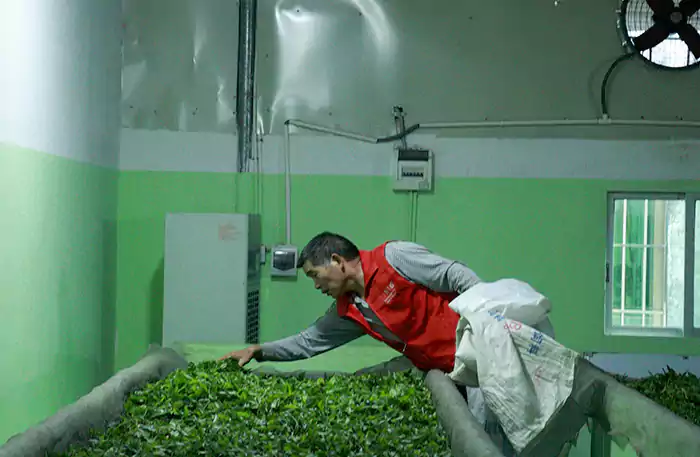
(663, 32)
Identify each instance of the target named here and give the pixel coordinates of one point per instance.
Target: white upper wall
(454, 157)
(345, 63)
(60, 77)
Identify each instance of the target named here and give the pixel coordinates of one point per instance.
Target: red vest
(418, 316)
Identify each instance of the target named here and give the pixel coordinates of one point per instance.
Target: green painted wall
(551, 233)
(57, 290)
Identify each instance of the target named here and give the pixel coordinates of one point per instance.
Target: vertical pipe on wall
(410, 217)
(259, 174)
(400, 122)
(245, 93)
(287, 185)
(414, 217)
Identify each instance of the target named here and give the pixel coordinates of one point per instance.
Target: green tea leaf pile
(678, 392)
(217, 409)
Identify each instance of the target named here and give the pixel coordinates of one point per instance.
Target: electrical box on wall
(412, 169)
(284, 261)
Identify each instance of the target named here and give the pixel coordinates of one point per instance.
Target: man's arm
(328, 332)
(417, 264)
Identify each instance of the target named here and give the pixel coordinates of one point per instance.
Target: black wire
(604, 87)
(398, 136)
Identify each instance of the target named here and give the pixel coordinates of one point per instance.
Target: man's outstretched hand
(244, 355)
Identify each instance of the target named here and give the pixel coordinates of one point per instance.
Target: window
(649, 290)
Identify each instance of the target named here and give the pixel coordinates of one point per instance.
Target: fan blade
(689, 7)
(661, 7)
(691, 37)
(653, 36)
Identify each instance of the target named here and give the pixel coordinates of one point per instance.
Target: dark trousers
(463, 391)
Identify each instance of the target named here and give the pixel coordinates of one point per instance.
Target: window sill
(642, 332)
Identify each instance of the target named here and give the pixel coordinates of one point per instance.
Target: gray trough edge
(105, 404)
(467, 437)
(652, 430)
(395, 365)
(95, 410)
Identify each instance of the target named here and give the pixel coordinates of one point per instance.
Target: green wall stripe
(57, 296)
(550, 233)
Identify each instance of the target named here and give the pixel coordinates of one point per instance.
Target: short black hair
(319, 250)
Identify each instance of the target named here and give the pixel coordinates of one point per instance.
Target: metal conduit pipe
(287, 186)
(328, 131)
(288, 162)
(559, 123)
(245, 91)
(331, 131)
(604, 121)
(500, 124)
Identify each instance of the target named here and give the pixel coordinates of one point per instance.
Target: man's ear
(335, 258)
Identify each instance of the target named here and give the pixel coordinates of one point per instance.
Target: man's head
(333, 262)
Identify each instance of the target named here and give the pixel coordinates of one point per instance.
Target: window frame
(688, 330)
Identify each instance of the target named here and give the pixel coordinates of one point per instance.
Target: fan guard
(665, 33)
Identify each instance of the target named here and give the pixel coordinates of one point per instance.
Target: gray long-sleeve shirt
(412, 261)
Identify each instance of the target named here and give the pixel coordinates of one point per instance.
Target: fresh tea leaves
(678, 392)
(217, 409)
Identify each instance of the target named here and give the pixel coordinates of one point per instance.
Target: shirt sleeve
(421, 266)
(328, 332)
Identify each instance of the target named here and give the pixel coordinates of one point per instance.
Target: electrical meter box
(412, 169)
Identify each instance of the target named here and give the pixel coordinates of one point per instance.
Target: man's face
(329, 279)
